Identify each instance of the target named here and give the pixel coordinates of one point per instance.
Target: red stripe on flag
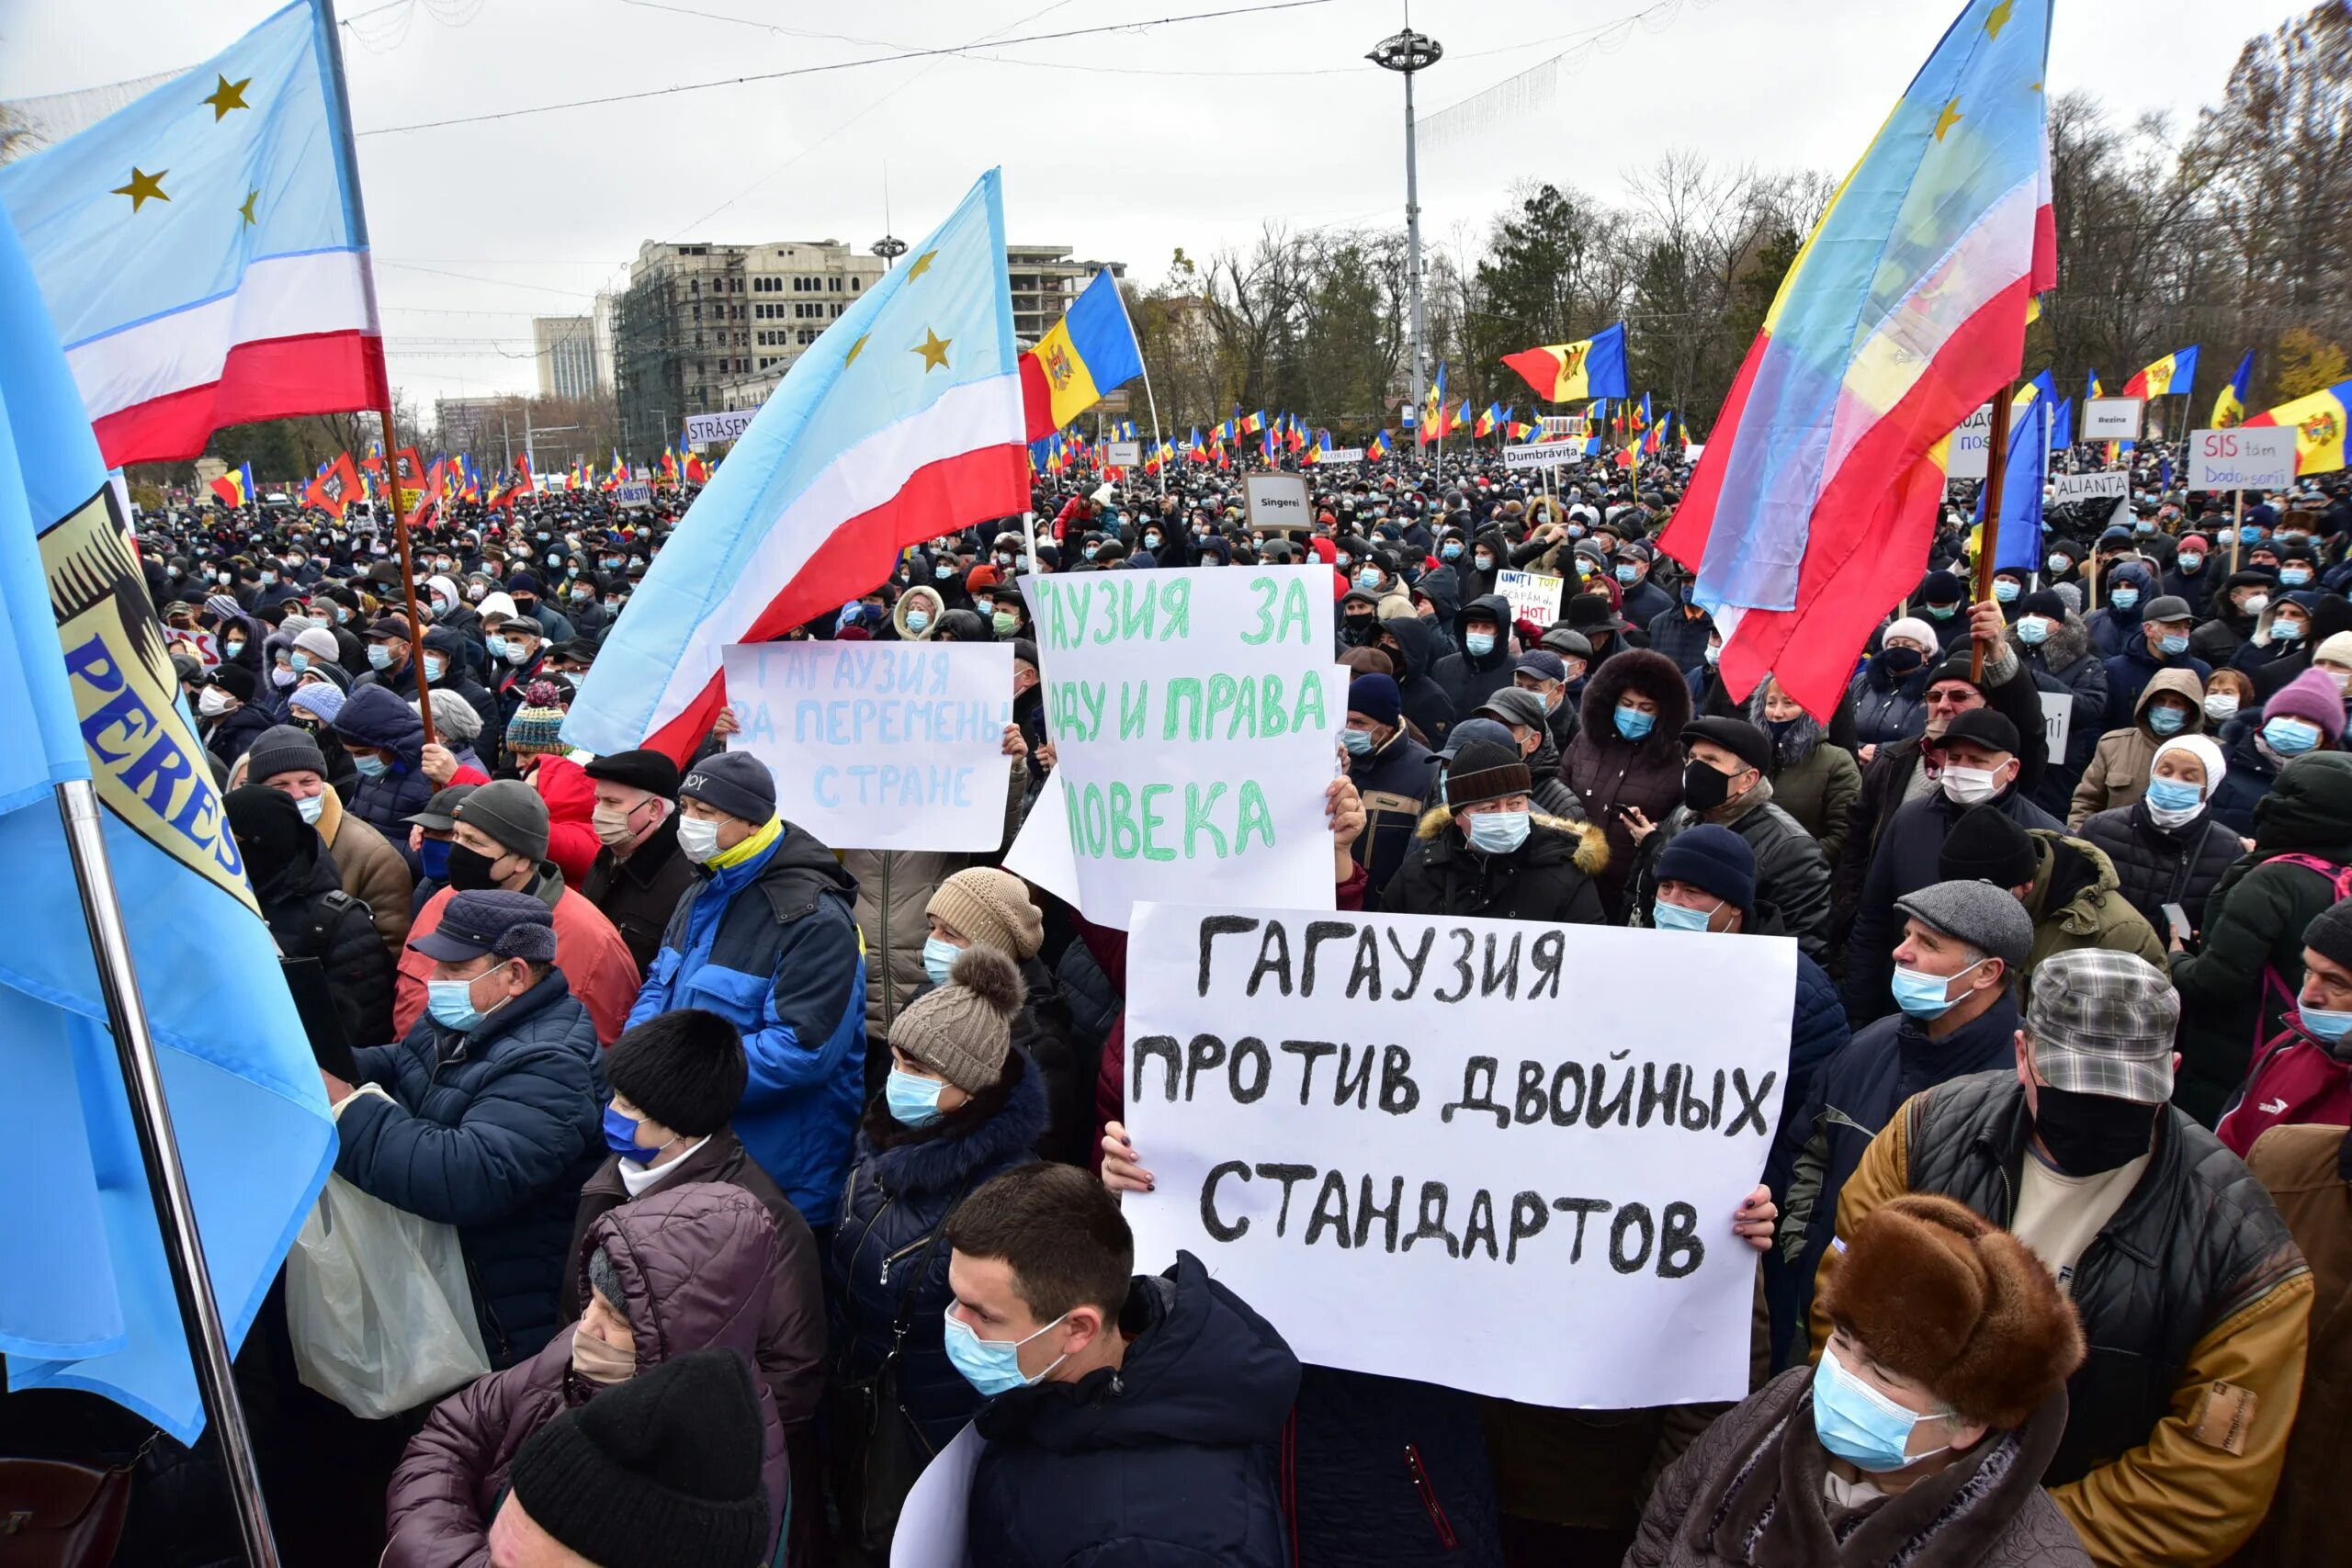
(1872, 524)
(271, 379)
(1036, 398)
(1539, 367)
(990, 482)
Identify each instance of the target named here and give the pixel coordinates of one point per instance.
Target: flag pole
(159, 1152)
(1996, 462)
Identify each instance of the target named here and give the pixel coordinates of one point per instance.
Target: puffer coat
(1550, 877)
(694, 1263)
(1610, 774)
(2157, 865)
(374, 716)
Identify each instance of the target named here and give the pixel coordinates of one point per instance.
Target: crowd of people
(776, 1164)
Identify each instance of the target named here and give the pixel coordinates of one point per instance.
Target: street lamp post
(1405, 52)
(889, 247)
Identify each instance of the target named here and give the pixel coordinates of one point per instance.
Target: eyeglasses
(1952, 696)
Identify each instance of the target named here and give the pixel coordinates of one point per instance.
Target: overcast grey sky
(1122, 144)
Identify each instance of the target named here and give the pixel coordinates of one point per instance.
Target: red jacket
(2294, 1081)
(570, 795)
(591, 952)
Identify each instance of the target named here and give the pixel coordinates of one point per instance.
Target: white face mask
(1971, 787)
(213, 703)
(697, 838)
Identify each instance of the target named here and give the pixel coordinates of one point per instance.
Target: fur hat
(964, 1028)
(1939, 1295)
(685, 1069)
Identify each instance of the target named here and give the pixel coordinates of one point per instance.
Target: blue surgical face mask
(992, 1366)
(1924, 996)
(918, 619)
(1632, 723)
(1626, 572)
(298, 659)
(945, 571)
(620, 1136)
(912, 1102)
(1484, 563)
(2173, 643)
(1358, 743)
(498, 647)
(1498, 832)
(378, 655)
(2290, 737)
(2329, 1028)
(451, 1003)
(2189, 561)
(434, 856)
(1368, 577)
(2250, 534)
(2125, 598)
(938, 958)
(1478, 644)
(2287, 631)
(2005, 589)
(2294, 576)
(370, 767)
(2033, 631)
(1450, 550)
(1668, 917)
(434, 665)
(2166, 721)
(1859, 1424)
(2174, 794)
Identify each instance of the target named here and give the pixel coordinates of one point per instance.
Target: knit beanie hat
(319, 643)
(964, 1028)
(454, 717)
(685, 1069)
(656, 1470)
(1912, 629)
(2043, 601)
(1376, 697)
(319, 699)
(2335, 649)
(540, 721)
(2330, 934)
(2309, 696)
(992, 908)
(1985, 846)
(512, 813)
(1941, 1296)
(1482, 770)
(734, 782)
(2207, 750)
(1714, 860)
(284, 748)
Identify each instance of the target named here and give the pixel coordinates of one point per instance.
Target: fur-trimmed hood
(1589, 846)
(1653, 675)
(2068, 644)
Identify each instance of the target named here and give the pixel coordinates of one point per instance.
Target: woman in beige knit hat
(984, 906)
(960, 1106)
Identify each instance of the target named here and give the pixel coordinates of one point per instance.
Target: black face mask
(470, 869)
(2088, 1133)
(1901, 660)
(1704, 787)
(1356, 631)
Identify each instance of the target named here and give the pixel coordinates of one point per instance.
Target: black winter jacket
(1887, 709)
(1469, 679)
(883, 1262)
(310, 916)
(1791, 870)
(2066, 664)
(1167, 1462)
(1394, 783)
(493, 1131)
(2252, 772)
(374, 716)
(1426, 706)
(2156, 867)
(1549, 878)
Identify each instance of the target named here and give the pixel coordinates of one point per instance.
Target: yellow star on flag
(1946, 120)
(933, 349)
(1997, 18)
(921, 264)
(246, 208)
(142, 186)
(226, 96)
(855, 349)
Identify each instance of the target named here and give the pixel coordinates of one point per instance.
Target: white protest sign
(1546, 455)
(1123, 453)
(2241, 457)
(1196, 716)
(1331, 455)
(2057, 722)
(880, 745)
(1276, 500)
(934, 1527)
(1345, 1129)
(1041, 852)
(634, 492)
(704, 428)
(1970, 443)
(2110, 419)
(1531, 595)
(2105, 484)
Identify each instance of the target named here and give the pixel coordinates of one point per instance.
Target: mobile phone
(2180, 920)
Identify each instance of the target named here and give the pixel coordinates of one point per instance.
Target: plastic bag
(376, 1302)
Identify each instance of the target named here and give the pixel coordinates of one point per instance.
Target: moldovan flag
(2176, 372)
(2318, 427)
(1091, 351)
(902, 423)
(2229, 403)
(88, 691)
(1810, 514)
(202, 249)
(1592, 369)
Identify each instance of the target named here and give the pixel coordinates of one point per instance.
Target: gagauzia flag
(2319, 421)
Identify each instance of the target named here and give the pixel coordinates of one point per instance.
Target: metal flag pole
(159, 1151)
(1997, 461)
(1156, 444)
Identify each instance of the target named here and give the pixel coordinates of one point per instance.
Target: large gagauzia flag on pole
(1811, 511)
(86, 691)
(202, 249)
(903, 422)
